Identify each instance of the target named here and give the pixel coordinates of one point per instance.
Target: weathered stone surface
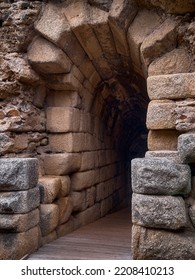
(156, 244)
(159, 211)
(144, 23)
(102, 4)
(14, 246)
(90, 196)
(61, 164)
(18, 173)
(79, 201)
(186, 147)
(192, 214)
(19, 202)
(49, 189)
(161, 115)
(45, 57)
(63, 99)
(63, 82)
(19, 222)
(65, 186)
(170, 155)
(49, 218)
(60, 119)
(159, 42)
(176, 61)
(160, 176)
(105, 189)
(83, 180)
(49, 238)
(65, 209)
(185, 115)
(106, 205)
(174, 86)
(175, 6)
(66, 228)
(89, 215)
(163, 140)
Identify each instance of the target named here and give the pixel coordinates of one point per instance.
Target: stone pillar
(19, 202)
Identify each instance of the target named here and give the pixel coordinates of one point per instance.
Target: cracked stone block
(49, 218)
(159, 244)
(61, 164)
(45, 57)
(173, 86)
(154, 211)
(19, 222)
(19, 202)
(14, 246)
(18, 173)
(160, 176)
(161, 115)
(186, 147)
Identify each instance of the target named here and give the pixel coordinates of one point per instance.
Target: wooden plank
(107, 238)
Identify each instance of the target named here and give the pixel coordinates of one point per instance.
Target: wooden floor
(106, 239)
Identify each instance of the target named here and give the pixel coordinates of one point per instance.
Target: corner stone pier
(19, 212)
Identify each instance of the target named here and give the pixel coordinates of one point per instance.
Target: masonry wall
(73, 93)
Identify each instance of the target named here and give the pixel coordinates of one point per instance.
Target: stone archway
(93, 58)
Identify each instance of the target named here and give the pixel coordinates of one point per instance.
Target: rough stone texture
(102, 4)
(158, 176)
(49, 238)
(60, 119)
(79, 201)
(159, 211)
(18, 174)
(45, 57)
(89, 215)
(49, 218)
(170, 155)
(83, 180)
(64, 82)
(156, 244)
(19, 202)
(65, 209)
(61, 164)
(65, 186)
(176, 61)
(144, 23)
(159, 42)
(163, 140)
(185, 115)
(161, 115)
(186, 147)
(192, 214)
(174, 86)
(49, 189)
(90, 196)
(14, 246)
(19, 222)
(65, 228)
(64, 99)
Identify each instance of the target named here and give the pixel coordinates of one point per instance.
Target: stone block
(163, 140)
(83, 180)
(160, 176)
(192, 214)
(159, 42)
(144, 23)
(61, 164)
(64, 82)
(106, 206)
(19, 222)
(63, 99)
(89, 215)
(157, 244)
(14, 246)
(60, 119)
(90, 196)
(65, 186)
(101, 4)
(45, 57)
(86, 123)
(105, 189)
(79, 201)
(49, 188)
(159, 211)
(65, 209)
(49, 218)
(176, 61)
(107, 172)
(173, 86)
(18, 173)
(185, 115)
(19, 202)
(49, 238)
(170, 155)
(186, 147)
(161, 115)
(65, 228)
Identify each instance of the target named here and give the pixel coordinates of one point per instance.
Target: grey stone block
(160, 176)
(186, 147)
(19, 202)
(192, 214)
(158, 211)
(18, 173)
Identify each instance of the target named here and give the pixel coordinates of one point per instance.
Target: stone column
(19, 202)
